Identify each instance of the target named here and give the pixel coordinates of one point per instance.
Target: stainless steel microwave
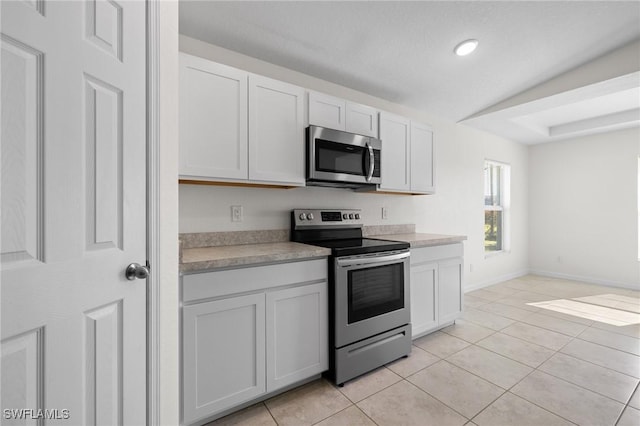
(341, 159)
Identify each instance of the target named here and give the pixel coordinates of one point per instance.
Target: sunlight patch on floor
(610, 309)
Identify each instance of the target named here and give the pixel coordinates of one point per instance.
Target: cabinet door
(450, 289)
(297, 345)
(394, 133)
(422, 168)
(424, 298)
(213, 119)
(361, 119)
(223, 354)
(276, 131)
(327, 111)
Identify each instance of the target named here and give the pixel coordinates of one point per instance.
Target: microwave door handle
(372, 162)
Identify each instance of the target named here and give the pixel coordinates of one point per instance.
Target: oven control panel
(337, 217)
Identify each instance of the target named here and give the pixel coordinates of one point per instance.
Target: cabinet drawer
(226, 282)
(429, 254)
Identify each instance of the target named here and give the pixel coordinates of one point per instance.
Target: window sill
(496, 253)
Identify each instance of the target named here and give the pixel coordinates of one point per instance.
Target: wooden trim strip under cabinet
(241, 184)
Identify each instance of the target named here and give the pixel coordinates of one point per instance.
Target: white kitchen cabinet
(223, 354)
(339, 114)
(361, 119)
(436, 287)
(213, 120)
(395, 162)
(249, 332)
(450, 299)
(407, 155)
(297, 346)
(240, 128)
(424, 298)
(327, 111)
(276, 131)
(422, 165)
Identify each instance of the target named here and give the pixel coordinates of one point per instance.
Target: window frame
(504, 206)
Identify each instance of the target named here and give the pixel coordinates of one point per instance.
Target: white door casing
(73, 205)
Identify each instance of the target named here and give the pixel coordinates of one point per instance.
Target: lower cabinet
(297, 343)
(436, 287)
(223, 354)
(237, 348)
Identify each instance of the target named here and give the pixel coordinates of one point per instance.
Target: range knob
(310, 216)
(358, 216)
(350, 215)
(345, 216)
(303, 216)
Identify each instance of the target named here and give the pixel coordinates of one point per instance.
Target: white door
(422, 171)
(223, 354)
(296, 349)
(424, 298)
(213, 120)
(276, 131)
(394, 133)
(73, 193)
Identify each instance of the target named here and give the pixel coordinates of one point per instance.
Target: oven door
(371, 295)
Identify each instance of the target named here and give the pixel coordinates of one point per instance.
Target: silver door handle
(357, 260)
(135, 270)
(372, 162)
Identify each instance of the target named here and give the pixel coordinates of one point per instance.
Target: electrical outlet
(471, 267)
(236, 213)
(384, 213)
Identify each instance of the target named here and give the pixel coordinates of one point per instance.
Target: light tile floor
(506, 362)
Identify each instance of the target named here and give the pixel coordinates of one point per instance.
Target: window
(496, 206)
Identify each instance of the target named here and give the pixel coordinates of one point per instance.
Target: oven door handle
(369, 260)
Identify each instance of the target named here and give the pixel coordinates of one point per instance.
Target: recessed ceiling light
(466, 47)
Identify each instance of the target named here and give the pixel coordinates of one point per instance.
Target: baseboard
(496, 280)
(590, 280)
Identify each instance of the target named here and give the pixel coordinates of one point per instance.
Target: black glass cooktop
(353, 246)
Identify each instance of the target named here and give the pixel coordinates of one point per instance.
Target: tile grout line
(270, 413)
(627, 404)
(556, 351)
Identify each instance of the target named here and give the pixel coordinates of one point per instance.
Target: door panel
(223, 354)
(213, 120)
(450, 286)
(296, 349)
(395, 134)
(424, 298)
(21, 152)
(73, 181)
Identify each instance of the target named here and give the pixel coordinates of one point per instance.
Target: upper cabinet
(276, 131)
(422, 164)
(335, 113)
(213, 120)
(395, 161)
(407, 155)
(239, 127)
(362, 119)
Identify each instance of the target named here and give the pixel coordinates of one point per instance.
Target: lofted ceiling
(403, 52)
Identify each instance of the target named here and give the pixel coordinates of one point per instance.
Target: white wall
(583, 197)
(456, 208)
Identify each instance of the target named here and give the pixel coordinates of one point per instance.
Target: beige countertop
(423, 240)
(206, 251)
(205, 258)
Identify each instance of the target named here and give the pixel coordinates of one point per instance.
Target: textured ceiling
(403, 51)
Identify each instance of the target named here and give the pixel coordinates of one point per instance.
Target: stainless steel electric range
(368, 291)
